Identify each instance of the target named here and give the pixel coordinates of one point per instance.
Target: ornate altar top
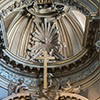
(33, 28)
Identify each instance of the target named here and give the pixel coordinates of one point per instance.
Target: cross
(45, 58)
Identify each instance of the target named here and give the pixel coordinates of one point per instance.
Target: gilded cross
(45, 57)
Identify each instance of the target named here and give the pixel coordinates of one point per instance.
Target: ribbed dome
(61, 35)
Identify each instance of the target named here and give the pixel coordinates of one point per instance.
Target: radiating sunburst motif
(45, 37)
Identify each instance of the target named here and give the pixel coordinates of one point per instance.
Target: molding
(90, 80)
(54, 65)
(85, 78)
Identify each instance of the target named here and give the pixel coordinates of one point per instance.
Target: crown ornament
(44, 1)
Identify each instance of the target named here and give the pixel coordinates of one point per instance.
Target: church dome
(60, 31)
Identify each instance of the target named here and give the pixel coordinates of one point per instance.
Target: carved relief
(20, 87)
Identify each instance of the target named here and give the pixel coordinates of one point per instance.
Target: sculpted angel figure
(11, 88)
(17, 88)
(70, 88)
